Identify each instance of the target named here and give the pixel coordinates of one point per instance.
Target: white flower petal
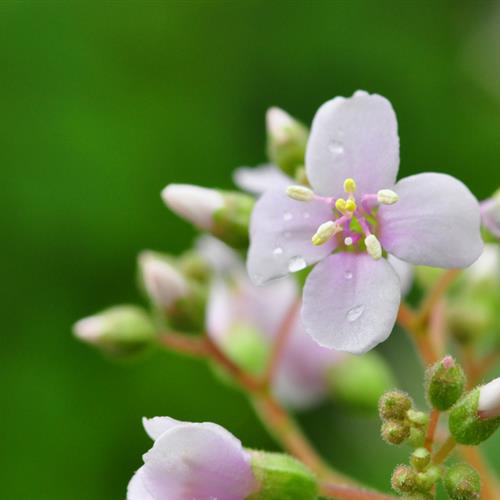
(258, 180)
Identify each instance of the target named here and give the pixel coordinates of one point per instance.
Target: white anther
(299, 193)
(373, 247)
(325, 232)
(387, 197)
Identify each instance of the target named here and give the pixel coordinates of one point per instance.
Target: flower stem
(490, 490)
(429, 439)
(444, 451)
(351, 493)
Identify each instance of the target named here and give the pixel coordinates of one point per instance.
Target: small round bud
(426, 480)
(394, 405)
(282, 476)
(465, 423)
(462, 482)
(420, 459)
(445, 383)
(395, 431)
(418, 418)
(404, 479)
(417, 437)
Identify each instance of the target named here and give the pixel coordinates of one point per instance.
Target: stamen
(325, 232)
(340, 204)
(348, 241)
(387, 197)
(373, 247)
(349, 185)
(350, 206)
(300, 193)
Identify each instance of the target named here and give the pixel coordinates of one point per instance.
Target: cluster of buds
(418, 478)
(401, 421)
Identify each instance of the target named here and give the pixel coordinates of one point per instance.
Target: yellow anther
(349, 185)
(340, 204)
(325, 232)
(350, 205)
(299, 193)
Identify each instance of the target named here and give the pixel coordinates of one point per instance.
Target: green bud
(282, 477)
(286, 141)
(465, 424)
(246, 347)
(120, 330)
(394, 405)
(418, 418)
(404, 479)
(231, 221)
(462, 482)
(420, 459)
(417, 437)
(395, 431)
(426, 480)
(195, 267)
(445, 383)
(360, 381)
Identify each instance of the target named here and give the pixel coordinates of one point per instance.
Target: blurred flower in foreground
(351, 298)
(490, 214)
(192, 460)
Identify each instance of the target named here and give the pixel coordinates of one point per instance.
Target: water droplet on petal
(296, 264)
(336, 147)
(354, 313)
(277, 252)
(348, 275)
(287, 216)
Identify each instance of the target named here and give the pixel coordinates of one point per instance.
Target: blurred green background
(105, 103)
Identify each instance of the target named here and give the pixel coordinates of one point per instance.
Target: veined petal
(436, 222)
(356, 138)
(257, 180)
(351, 302)
(136, 489)
(201, 461)
(280, 236)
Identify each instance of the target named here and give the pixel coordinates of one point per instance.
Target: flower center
(353, 220)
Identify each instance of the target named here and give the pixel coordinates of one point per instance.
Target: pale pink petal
(405, 272)
(280, 236)
(355, 137)
(490, 214)
(436, 222)
(351, 302)
(156, 426)
(136, 489)
(258, 180)
(198, 461)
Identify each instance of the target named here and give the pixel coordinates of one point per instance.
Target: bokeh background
(103, 104)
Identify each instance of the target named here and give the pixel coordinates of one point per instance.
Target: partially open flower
(489, 399)
(192, 460)
(357, 215)
(490, 214)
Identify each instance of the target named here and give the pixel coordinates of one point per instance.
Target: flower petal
(156, 426)
(201, 461)
(355, 137)
(436, 222)
(404, 271)
(257, 180)
(351, 302)
(136, 489)
(280, 236)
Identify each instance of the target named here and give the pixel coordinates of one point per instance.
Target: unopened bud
(299, 193)
(286, 141)
(395, 431)
(387, 197)
(462, 482)
(465, 422)
(194, 203)
(394, 405)
(404, 479)
(427, 479)
(445, 383)
(119, 330)
(373, 247)
(359, 381)
(489, 400)
(417, 437)
(418, 418)
(420, 459)
(280, 476)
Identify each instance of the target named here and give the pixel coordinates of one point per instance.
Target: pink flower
(188, 461)
(354, 215)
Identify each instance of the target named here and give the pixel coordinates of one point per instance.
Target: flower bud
(395, 431)
(394, 405)
(420, 459)
(280, 476)
(360, 381)
(490, 215)
(418, 418)
(489, 400)
(445, 383)
(417, 437)
(119, 330)
(462, 482)
(404, 479)
(465, 422)
(427, 479)
(286, 141)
